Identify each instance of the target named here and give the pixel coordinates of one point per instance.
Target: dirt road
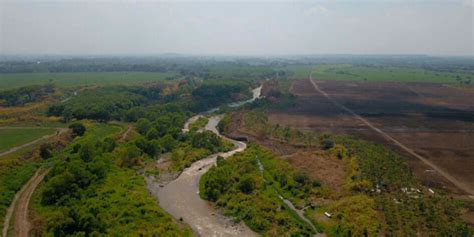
(20, 205)
(14, 149)
(462, 186)
(125, 134)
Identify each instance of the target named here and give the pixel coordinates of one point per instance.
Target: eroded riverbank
(181, 199)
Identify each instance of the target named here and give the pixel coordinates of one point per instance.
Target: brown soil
(320, 166)
(126, 134)
(22, 222)
(329, 170)
(435, 121)
(19, 206)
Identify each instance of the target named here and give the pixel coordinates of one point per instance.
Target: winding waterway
(181, 199)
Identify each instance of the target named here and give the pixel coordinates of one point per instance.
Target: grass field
(298, 71)
(386, 74)
(11, 137)
(71, 79)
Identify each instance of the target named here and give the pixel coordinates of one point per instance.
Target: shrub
(78, 129)
(327, 143)
(45, 151)
(247, 184)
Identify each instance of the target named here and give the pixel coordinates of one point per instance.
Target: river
(181, 199)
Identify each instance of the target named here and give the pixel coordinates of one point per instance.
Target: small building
(327, 214)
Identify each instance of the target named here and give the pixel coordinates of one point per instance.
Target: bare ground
(458, 183)
(19, 206)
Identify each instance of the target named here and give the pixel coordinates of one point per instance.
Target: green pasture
(71, 79)
(386, 74)
(11, 137)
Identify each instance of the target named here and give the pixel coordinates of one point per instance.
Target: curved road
(19, 206)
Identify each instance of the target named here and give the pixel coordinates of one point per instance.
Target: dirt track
(58, 132)
(125, 134)
(461, 185)
(20, 204)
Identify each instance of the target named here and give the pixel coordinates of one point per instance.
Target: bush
(143, 125)
(78, 129)
(45, 151)
(302, 178)
(247, 184)
(327, 143)
(55, 110)
(207, 140)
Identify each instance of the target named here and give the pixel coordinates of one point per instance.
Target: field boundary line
(466, 188)
(58, 132)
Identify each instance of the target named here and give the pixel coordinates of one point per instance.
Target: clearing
(432, 120)
(13, 138)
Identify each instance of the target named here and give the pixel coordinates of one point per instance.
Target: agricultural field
(77, 79)
(121, 162)
(11, 137)
(347, 72)
(361, 185)
(432, 119)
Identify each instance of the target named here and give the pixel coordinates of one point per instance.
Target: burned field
(435, 121)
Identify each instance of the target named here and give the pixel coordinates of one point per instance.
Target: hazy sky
(436, 27)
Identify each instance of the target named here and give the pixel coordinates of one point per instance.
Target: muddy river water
(181, 199)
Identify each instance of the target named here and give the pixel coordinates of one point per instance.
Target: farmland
(11, 137)
(75, 79)
(420, 115)
(372, 73)
(121, 144)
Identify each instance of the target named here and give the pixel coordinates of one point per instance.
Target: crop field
(11, 137)
(435, 121)
(72, 79)
(388, 74)
(298, 71)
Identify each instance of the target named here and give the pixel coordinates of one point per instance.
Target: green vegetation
(211, 95)
(72, 79)
(23, 95)
(379, 193)
(388, 74)
(102, 104)
(247, 193)
(387, 171)
(200, 145)
(297, 72)
(200, 123)
(12, 137)
(16, 169)
(94, 187)
(14, 173)
(89, 176)
(163, 135)
(78, 129)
